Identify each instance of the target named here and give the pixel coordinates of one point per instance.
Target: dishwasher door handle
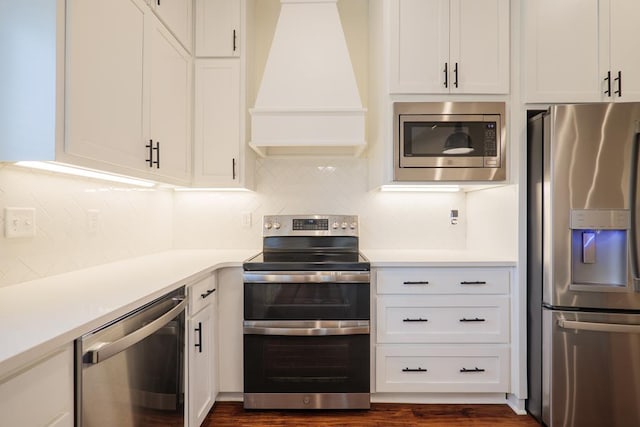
(104, 350)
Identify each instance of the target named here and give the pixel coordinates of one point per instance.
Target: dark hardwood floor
(231, 414)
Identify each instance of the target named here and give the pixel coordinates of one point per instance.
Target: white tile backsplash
(131, 221)
(317, 186)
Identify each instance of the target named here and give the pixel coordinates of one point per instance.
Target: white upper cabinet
(217, 28)
(449, 46)
(624, 16)
(128, 92)
(104, 81)
(177, 15)
(581, 51)
(169, 103)
(217, 118)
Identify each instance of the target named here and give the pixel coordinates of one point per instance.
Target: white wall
(131, 221)
(306, 186)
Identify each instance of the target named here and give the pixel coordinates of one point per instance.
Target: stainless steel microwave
(449, 141)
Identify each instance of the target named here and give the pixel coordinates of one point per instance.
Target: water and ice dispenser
(599, 247)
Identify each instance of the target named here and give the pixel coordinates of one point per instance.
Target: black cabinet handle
(465, 370)
(158, 2)
(235, 46)
(608, 80)
(157, 161)
(477, 282)
(446, 74)
(418, 282)
(151, 148)
(419, 319)
(206, 294)
(455, 73)
(475, 319)
(198, 345)
(619, 80)
(414, 370)
(233, 169)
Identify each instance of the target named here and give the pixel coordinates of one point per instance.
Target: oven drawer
(465, 280)
(442, 369)
(443, 319)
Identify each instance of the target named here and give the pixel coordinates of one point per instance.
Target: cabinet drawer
(463, 368)
(443, 319)
(200, 294)
(443, 281)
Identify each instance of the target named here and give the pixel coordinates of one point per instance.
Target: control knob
(352, 226)
(335, 225)
(267, 225)
(276, 225)
(344, 226)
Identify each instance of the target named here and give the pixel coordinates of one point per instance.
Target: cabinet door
(104, 81)
(217, 122)
(479, 46)
(42, 395)
(169, 101)
(563, 51)
(419, 48)
(200, 353)
(177, 16)
(624, 18)
(218, 28)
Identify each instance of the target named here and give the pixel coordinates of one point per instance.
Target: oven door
(306, 358)
(306, 295)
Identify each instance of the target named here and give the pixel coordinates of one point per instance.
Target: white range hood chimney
(308, 101)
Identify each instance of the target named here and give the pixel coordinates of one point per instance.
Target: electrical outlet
(453, 217)
(19, 222)
(246, 219)
(93, 221)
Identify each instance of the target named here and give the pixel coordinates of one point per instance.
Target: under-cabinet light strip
(421, 188)
(87, 173)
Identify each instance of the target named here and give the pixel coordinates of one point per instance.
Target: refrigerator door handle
(635, 262)
(599, 327)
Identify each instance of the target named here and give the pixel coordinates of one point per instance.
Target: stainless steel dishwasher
(130, 372)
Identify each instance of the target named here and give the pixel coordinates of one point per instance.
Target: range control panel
(310, 225)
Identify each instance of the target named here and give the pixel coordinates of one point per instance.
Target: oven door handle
(298, 277)
(345, 328)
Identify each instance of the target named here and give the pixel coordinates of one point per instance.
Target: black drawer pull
(206, 294)
(414, 370)
(471, 370)
(419, 282)
(475, 319)
(478, 282)
(419, 319)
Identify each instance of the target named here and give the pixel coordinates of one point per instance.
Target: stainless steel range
(306, 316)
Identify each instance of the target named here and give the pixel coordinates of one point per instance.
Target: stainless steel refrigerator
(583, 265)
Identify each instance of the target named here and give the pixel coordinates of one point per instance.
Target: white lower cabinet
(41, 395)
(442, 369)
(202, 348)
(443, 330)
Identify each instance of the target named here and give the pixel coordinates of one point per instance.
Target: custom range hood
(308, 101)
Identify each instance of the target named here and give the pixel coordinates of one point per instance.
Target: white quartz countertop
(38, 316)
(436, 258)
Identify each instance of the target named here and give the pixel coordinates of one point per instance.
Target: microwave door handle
(635, 249)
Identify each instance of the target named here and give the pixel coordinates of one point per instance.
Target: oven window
(306, 301)
(444, 139)
(285, 364)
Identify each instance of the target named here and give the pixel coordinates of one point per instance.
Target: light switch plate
(19, 222)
